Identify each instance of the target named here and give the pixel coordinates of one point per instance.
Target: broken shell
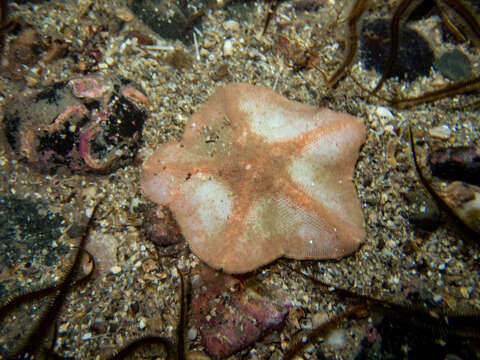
(440, 132)
(464, 200)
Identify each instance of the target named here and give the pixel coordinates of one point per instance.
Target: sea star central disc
(256, 177)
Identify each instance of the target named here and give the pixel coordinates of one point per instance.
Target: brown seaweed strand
(465, 324)
(298, 345)
(15, 301)
(353, 28)
(3, 11)
(181, 320)
(268, 18)
(34, 339)
(159, 340)
(400, 14)
(443, 8)
(3, 20)
(450, 90)
(139, 343)
(454, 89)
(465, 15)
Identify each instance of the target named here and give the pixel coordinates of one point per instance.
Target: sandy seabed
(137, 290)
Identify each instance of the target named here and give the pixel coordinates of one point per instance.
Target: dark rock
(414, 58)
(231, 315)
(454, 65)
(460, 163)
(423, 210)
(99, 327)
(161, 228)
(171, 19)
(90, 124)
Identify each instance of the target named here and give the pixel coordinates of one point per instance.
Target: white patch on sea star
(208, 204)
(272, 122)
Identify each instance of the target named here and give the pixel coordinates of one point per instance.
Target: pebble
(319, 319)
(382, 111)
(115, 269)
(309, 349)
(466, 292)
(231, 25)
(424, 212)
(142, 323)
(124, 14)
(440, 132)
(228, 47)
(209, 42)
(87, 336)
(336, 339)
(99, 327)
(454, 65)
(192, 334)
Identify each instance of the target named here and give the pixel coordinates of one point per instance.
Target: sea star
(256, 177)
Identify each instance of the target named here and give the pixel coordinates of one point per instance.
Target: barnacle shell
(89, 124)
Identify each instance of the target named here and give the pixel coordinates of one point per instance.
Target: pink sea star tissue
(256, 177)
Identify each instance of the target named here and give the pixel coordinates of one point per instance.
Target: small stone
(423, 211)
(103, 248)
(142, 323)
(31, 81)
(109, 61)
(192, 334)
(87, 336)
(309, 349)
(89, 192)
(84, 6)
(231, 25)
(63, 328)
(149, 265)
(382, 111)
(228, 47)
(440, 132)
(465, 292)
(115, 269)
(161, 228)
(169, 19)
(454, 65)
(319, 319)
(209, 42)
(124, 14)
(99, 327)
(336, 339)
